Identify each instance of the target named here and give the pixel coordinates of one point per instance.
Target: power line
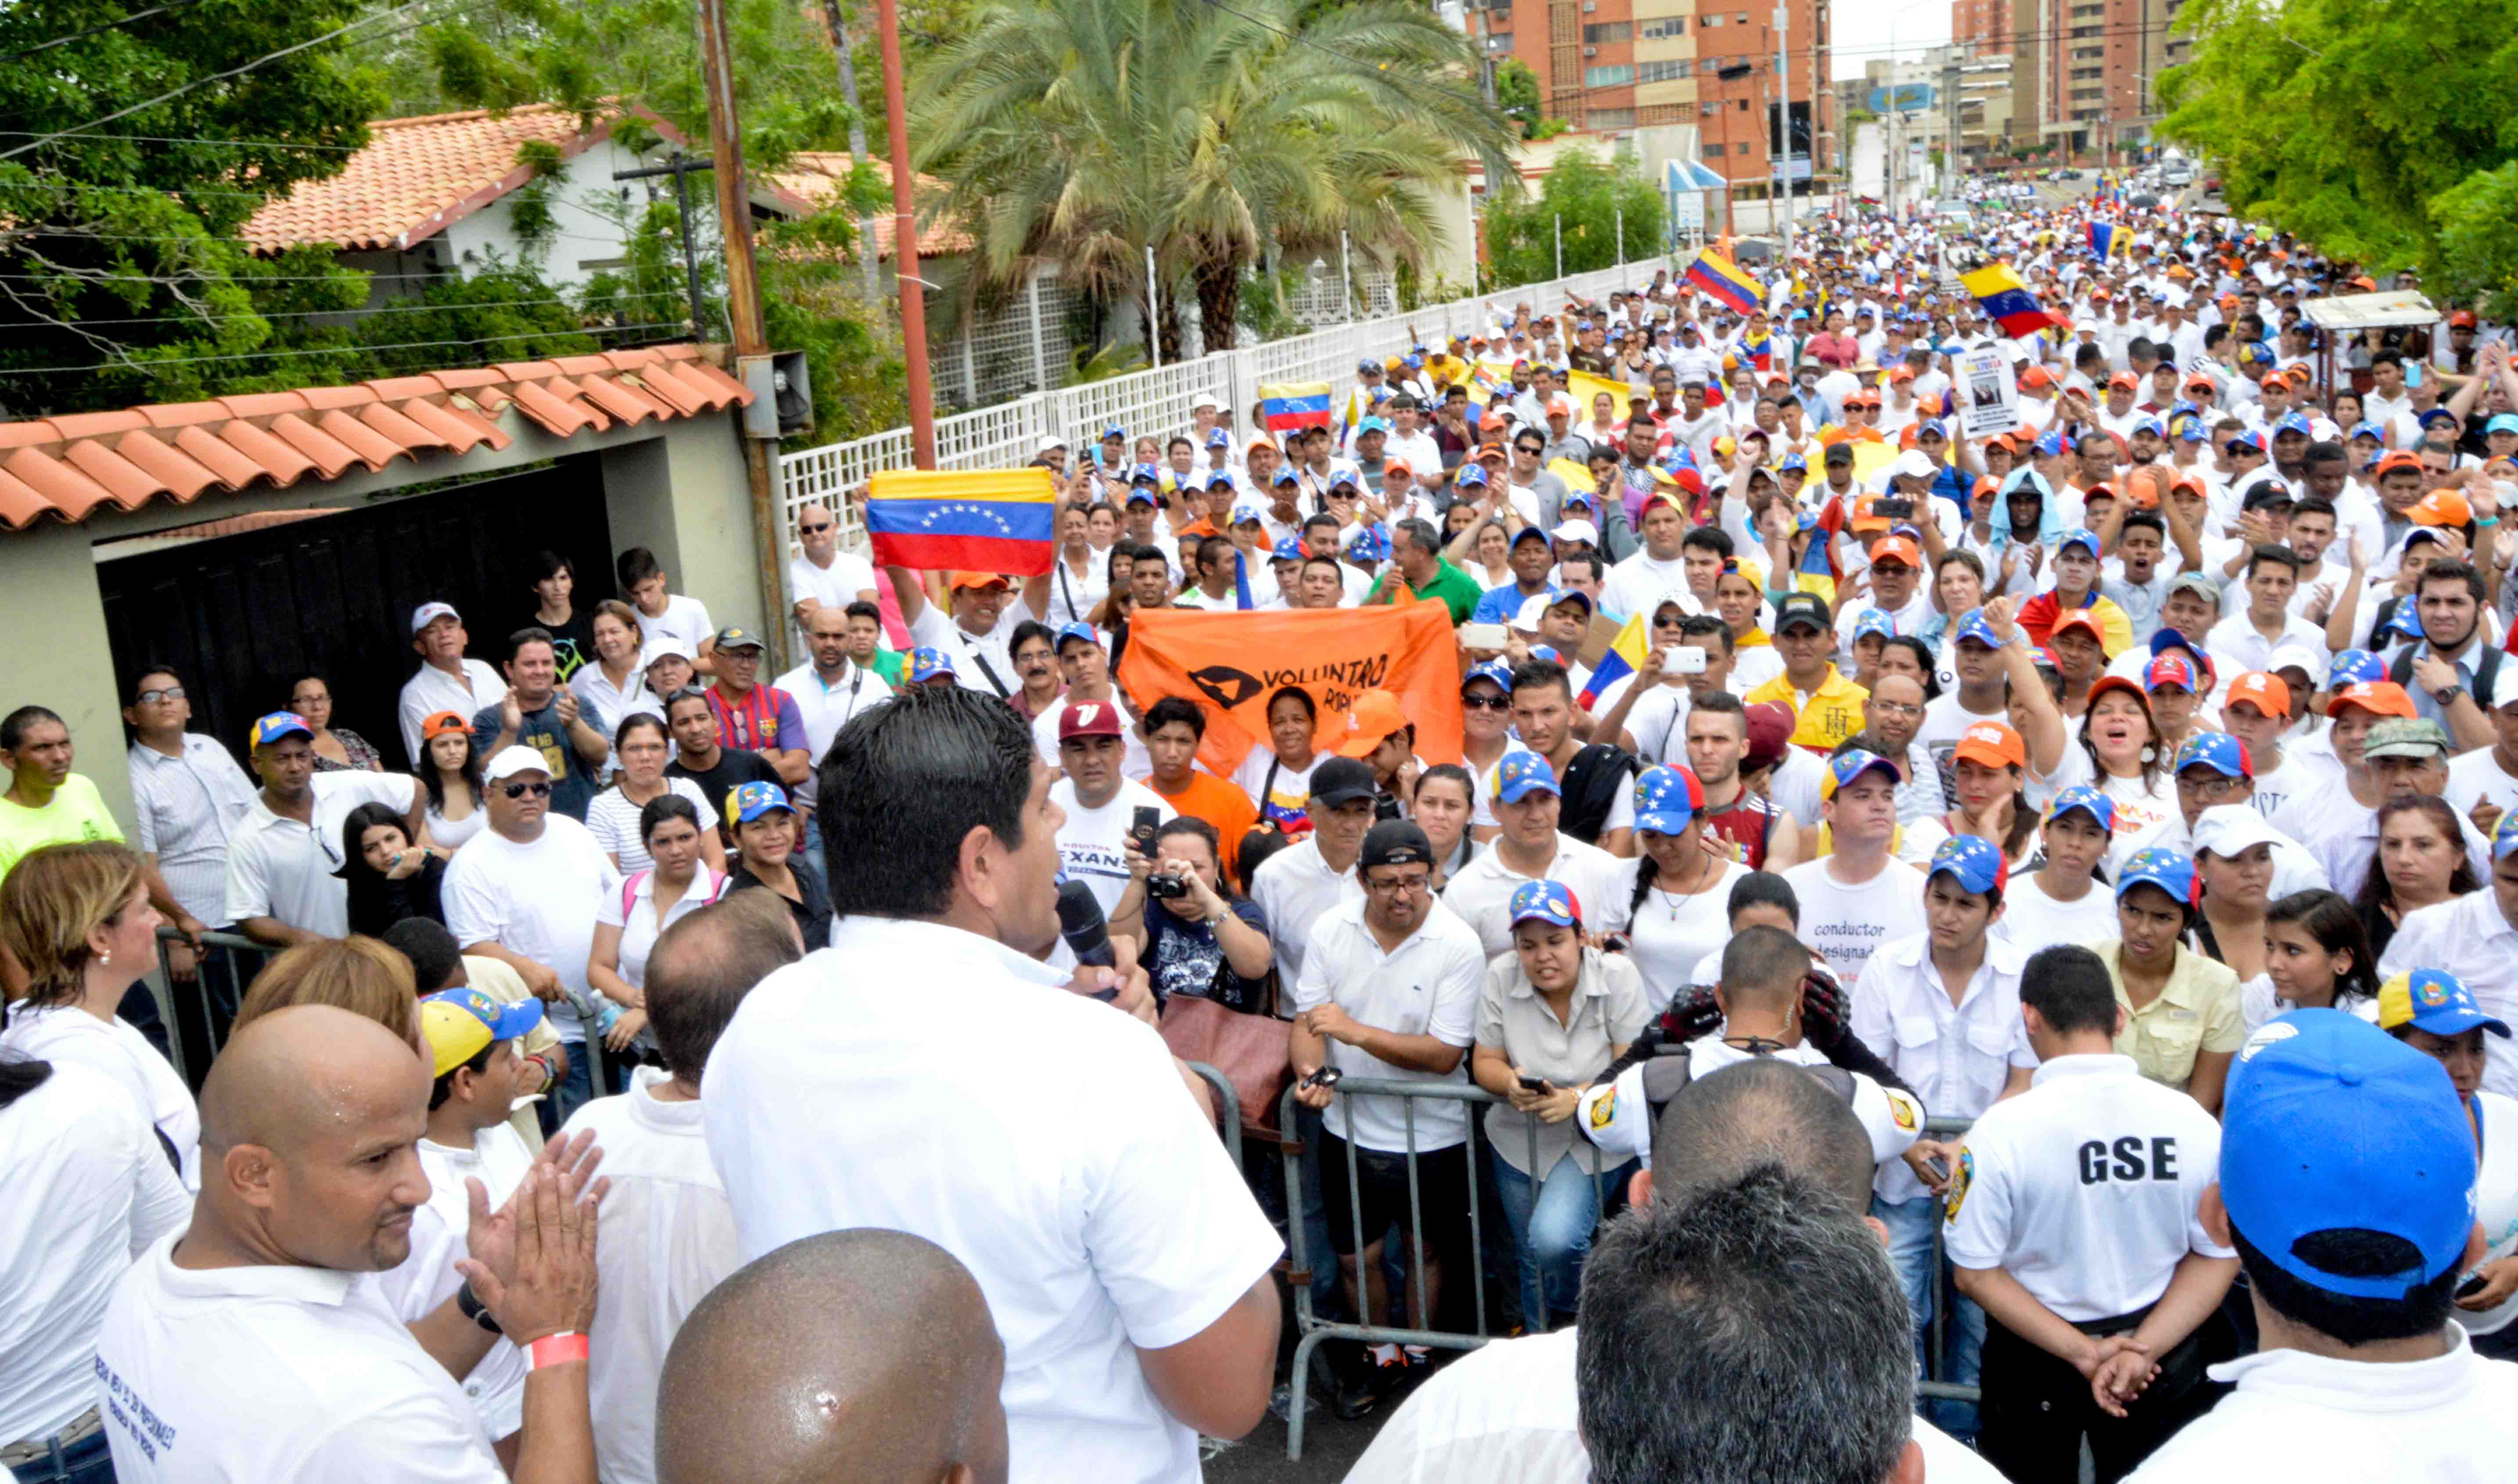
(180, 139)
(362, 312)
(46, 46)
(248, 280)
(343, 349)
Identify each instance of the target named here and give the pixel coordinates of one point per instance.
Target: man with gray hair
(1511, 1413)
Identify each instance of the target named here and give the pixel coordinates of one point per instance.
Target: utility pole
(1818, 34)
(1784, 126)
(679, 167)
(904, 240)
(837, 20)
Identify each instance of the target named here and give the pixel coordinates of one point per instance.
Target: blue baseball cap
(2355, 667)
(1219, 439)
(1530, 534)
(1666, 799)
(1793, 463)
(2501, 422)
(2504, 836)
(1469, 474)
(279, 724)
(2367, 430)
(1220, 479)
(1366, 543)
(2149, 425)
(1114, 431)
(1083, 631)
(1414, 362)
(2330, 1123)
(2194, 431)
(2051, 442)
(2171, 870)
(1501, 675)
(1139, 495)
(1845, 767)
(1546, 901)
(2256, 353)
(1872, 620)
(1521, 773)
(1291, 549)
(460, 1024)
(2078, 536)
(2434, 1000)
(752, 800)
(2101, 809)
(1978, 863)
(1371, 425)
(2437, 415)
(2293, 422)
(1283, 476)
(1978, 627)
(926, 665)
(2219, 752)
(1548, 652)
(2247, 439)
(1367, 363)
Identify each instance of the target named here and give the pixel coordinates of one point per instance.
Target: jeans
(814, 858)
(1551, 1221)
(1911, 1225)
(89, 1460)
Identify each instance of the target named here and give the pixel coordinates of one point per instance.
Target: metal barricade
(1228, 1107)
(1944, 1293)
(194, 1018)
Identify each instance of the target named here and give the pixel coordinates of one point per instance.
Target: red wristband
(556, 1350)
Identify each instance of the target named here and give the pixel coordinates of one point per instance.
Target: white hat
(2229, 830)
(1051, 441)
(517, 758)
(1915, 464)
(2297, 655)
(430, 613)
(661, 645)
(1203, 399)
(1578, 531)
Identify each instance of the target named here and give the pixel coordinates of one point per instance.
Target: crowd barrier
(1314, 1330)
(197, 1011)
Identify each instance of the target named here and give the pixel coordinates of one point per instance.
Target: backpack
(2487, 668)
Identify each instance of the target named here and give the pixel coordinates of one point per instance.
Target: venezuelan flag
(1726, 282)
(992, 521)
(1289, 405)
(2108, 240)
(1624, 657)
(2006, 301)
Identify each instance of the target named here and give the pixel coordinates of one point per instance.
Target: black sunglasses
(519, 790)
(1487, 702)
(818, 530)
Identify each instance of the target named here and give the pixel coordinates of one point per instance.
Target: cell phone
(1684, 660)
(2471, 1286)
(1533, 1084)
(1896, 509)
(1326, 1077)
(1483, 636)
(1143, 824)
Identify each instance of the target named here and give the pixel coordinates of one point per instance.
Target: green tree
(1087, 131)
(1517, 91)
(1586, 196)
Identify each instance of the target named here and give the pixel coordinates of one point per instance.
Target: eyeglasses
(1487, 702)
(1898, 708)
(1402, 887)
(1678, 622)
(154, 698)
(817, 528)
(519, 790)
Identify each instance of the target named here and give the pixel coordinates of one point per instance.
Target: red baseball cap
(1088, 718)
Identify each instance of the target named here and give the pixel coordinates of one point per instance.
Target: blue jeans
(1911, 1225)
(1551, 1221)
(813, 857)
(89, 1460)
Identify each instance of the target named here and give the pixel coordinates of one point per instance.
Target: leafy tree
(1586, 196)
(1517, 91)
(1088, 131)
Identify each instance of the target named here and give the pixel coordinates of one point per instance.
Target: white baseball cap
(663, 645)
(430, 613)
(1204, 400)
(1915, 464)
(1051, 441)
(2228, 830)
(1578, 531)
(514, 760)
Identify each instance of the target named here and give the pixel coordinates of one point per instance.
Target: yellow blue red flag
(2006, 301)
(1726, 282)
(1285, 406)
(1002, 520)
(1624, 657)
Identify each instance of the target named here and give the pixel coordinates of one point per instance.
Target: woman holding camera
(1201, 942)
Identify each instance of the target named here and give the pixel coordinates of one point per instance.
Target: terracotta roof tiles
(814, 179)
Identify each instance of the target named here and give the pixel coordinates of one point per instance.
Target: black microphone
(1081, 923)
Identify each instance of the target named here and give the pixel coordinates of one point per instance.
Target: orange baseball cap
(2379, 697)
(2125, 380)
(1991, 745)
(2102, 488)
(1897, 549)
(2036, 376)
(2079, 618)
(2266, 693)
(2399, 459)
(1902, 373)
(1867, 516)
(963, 580)
(437, 724)
(1375, 718)
(2441, 507)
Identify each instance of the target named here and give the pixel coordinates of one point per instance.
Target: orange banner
(1230, 662)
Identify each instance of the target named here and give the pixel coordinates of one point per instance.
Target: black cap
(1800, 607)
(1840, 453)
(2265, 494)
(1341, 779)
(1395, 842)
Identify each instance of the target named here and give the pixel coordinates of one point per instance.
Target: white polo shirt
(2451, 1420)
(1957, 1056)
(1510, 1413)
(87, 1186)
(1098, 1211)
(2085, 1187)
(432, 690)
(936, 629)
(281, 869)
(2468, 937)
(664, 1238)
(67, 1034)
(282, 1374)
(1481, 892)
(427, 1278)
(1426, 985)
(826, 707)
(1294, 888)
(537, 899)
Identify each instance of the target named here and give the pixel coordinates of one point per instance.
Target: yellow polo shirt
(2197, 1012)
(1826, 716)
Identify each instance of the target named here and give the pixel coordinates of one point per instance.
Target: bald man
(247, 1348)
(864, 1355)
(825, 576)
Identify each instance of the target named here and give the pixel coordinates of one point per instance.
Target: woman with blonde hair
(365, 976)
(78, 919)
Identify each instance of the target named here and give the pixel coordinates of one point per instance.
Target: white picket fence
(1158, 401)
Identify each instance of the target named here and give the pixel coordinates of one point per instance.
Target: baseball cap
(2248, 441)
(459, 1024)
(1666, 799)
(279, 724)
(1980, 628)
(1220, 439)
(1800, 607)
(963, 580)
(2379, 697)
(664, 646)
(1394, 842)
(1050, 441)
(1137, 495)
(1978, 863)
(1088, 718)
(2402, 737)
(2089, 802)
(734, 636)
(2436, 416)
(1544, 902)
(2267, 694)
(1839, 454)
(1375, 718)
(1369, 425)
(1579, 530)
(1220, 479)
(2078, 536)
(2266, 495)
(1144, 474)
(1247, 513)
(1528, 533)
(2355, 666)
(1083, 631)
(437, 724)
(1367, 365)
(925, 664)
(2167, 670)
(1340, 781)
(1991, 745)
(2230, 830)
(1494, 671)
(755, 799)
(1847, 766)
(2080, 620)
(2330, 1123)
(2171, 870)
(2441, 507)
(1522, 772)
(1291, 549)
(515, 758)
(1872, 621)
(430, 613)
(2434, 1000)
(1897, 549)
(1769, 727)
(2504, 835)
(1470, 476)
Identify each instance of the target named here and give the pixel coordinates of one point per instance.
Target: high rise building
(2086, 73)
(1983, 26)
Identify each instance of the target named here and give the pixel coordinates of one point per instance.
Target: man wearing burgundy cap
(1096, 844)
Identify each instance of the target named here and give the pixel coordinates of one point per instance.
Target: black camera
(1161, 887)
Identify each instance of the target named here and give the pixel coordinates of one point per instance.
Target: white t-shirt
(68, 1035)
(636, 916)
(1668, 934)
(2085, 1187)
(537, 900)
(427, 1277)
(2496, 1201)
(2479, 774)
(1092, 845)
(826, 708)
(833, 586)
(1288, 792)
(1427, 986)
(282, 1374)
(975, 655)
(1846, 922)
(1479, 893)
(1293, 887)
(1640, 584)
(1658, 722)
(833, 1101)
(2031, 919)
(431, 690)
(684, 618)
(2305, 769)
(88, 1188)
(1136, 764)
(664, 1239)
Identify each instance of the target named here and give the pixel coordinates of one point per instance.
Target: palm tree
(1086, 131)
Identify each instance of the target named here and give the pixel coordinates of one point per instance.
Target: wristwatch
(474, 1310)
(2446, 694)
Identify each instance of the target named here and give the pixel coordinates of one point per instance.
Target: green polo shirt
(1458, 591)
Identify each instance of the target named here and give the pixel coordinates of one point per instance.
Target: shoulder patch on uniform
(1604, 1109)
(1904, 1110)
(1958, 1180)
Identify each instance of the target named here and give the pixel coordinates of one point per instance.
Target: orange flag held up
(1230, 662)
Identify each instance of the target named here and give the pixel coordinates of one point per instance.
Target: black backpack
(2487, 668)
(1591, 790)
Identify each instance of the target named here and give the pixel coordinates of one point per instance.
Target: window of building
(1610, 31)
(1715, 150)
(1661, 26)
(1711, 20)
(1709, 109)
(1608, 77)
(1611, 118)
(1660, 72)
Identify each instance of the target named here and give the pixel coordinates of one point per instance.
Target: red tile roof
(811, 179)
(67, 467)
(418, 176)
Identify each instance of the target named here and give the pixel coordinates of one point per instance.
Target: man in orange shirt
(1174, 727)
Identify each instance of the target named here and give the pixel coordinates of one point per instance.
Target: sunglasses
(519, 790)
(1487, 702)
(817, 528)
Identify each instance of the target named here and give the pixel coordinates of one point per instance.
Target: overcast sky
(1863, 33)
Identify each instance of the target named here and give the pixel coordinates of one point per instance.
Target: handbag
(1254, 1052)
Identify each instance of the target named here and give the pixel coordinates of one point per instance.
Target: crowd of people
(2051, 888)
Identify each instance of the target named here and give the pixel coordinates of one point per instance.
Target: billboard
(1911, 97)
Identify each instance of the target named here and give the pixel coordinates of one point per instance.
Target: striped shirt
(765, 719)
(187, 806)
(613, 819)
